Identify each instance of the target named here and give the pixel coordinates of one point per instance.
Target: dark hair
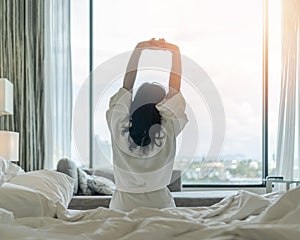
(145, 119)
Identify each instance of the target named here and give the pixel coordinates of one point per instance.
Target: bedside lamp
(9, 141)
(9, 146)
(6, 97)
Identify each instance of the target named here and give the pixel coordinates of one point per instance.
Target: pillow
(10, 169)
(90, 184)
(25, 202)
(101, 185)
(58, 187)
(83, 182)
(69, 167)
(2, 177)
(6, 217)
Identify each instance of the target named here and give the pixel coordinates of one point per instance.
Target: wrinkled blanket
(242, 216)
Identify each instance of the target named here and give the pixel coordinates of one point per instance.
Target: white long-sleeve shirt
(135, 171)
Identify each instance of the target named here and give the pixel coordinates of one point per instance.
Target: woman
(144, 134)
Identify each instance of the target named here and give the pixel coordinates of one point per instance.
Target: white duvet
(242, 216)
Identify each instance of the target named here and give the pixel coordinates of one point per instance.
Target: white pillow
(6, 217)
(10, 169)
(24, 202)
(57, 186)
(2, 177)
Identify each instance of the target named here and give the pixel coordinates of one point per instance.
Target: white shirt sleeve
(119, 107)
(173, 110)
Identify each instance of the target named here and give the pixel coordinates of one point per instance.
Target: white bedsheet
(242, 216)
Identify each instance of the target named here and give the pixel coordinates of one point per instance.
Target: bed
(44, 215)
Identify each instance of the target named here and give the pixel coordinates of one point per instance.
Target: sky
(223, 37)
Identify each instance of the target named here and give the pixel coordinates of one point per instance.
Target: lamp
(9, 141)
(6, 97)
(9, 146)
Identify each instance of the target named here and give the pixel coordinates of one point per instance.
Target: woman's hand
(150, 44)
(159, 44)
(169, 46)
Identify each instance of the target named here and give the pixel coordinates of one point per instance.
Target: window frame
(264, 104)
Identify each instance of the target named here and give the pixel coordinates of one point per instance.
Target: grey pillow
(101, 185)
(90, 184)
(83, 178)
(69, 167)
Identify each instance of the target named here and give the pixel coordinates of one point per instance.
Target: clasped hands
(159, 44)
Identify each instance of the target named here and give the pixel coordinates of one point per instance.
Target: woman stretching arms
(143, 133)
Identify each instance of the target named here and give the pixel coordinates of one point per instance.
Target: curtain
(58, 82)
(21, 61)
(288, 148)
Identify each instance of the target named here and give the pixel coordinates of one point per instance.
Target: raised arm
(175, 74)
(133, 63)
(131, 70)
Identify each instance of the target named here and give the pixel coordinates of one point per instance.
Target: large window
(226, 39)
(80, 72)
(274, 78)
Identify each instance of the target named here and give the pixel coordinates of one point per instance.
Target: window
(226, 39)
(274, 78)
(80, 72)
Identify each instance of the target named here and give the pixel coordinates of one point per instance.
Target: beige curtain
(289, 121)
